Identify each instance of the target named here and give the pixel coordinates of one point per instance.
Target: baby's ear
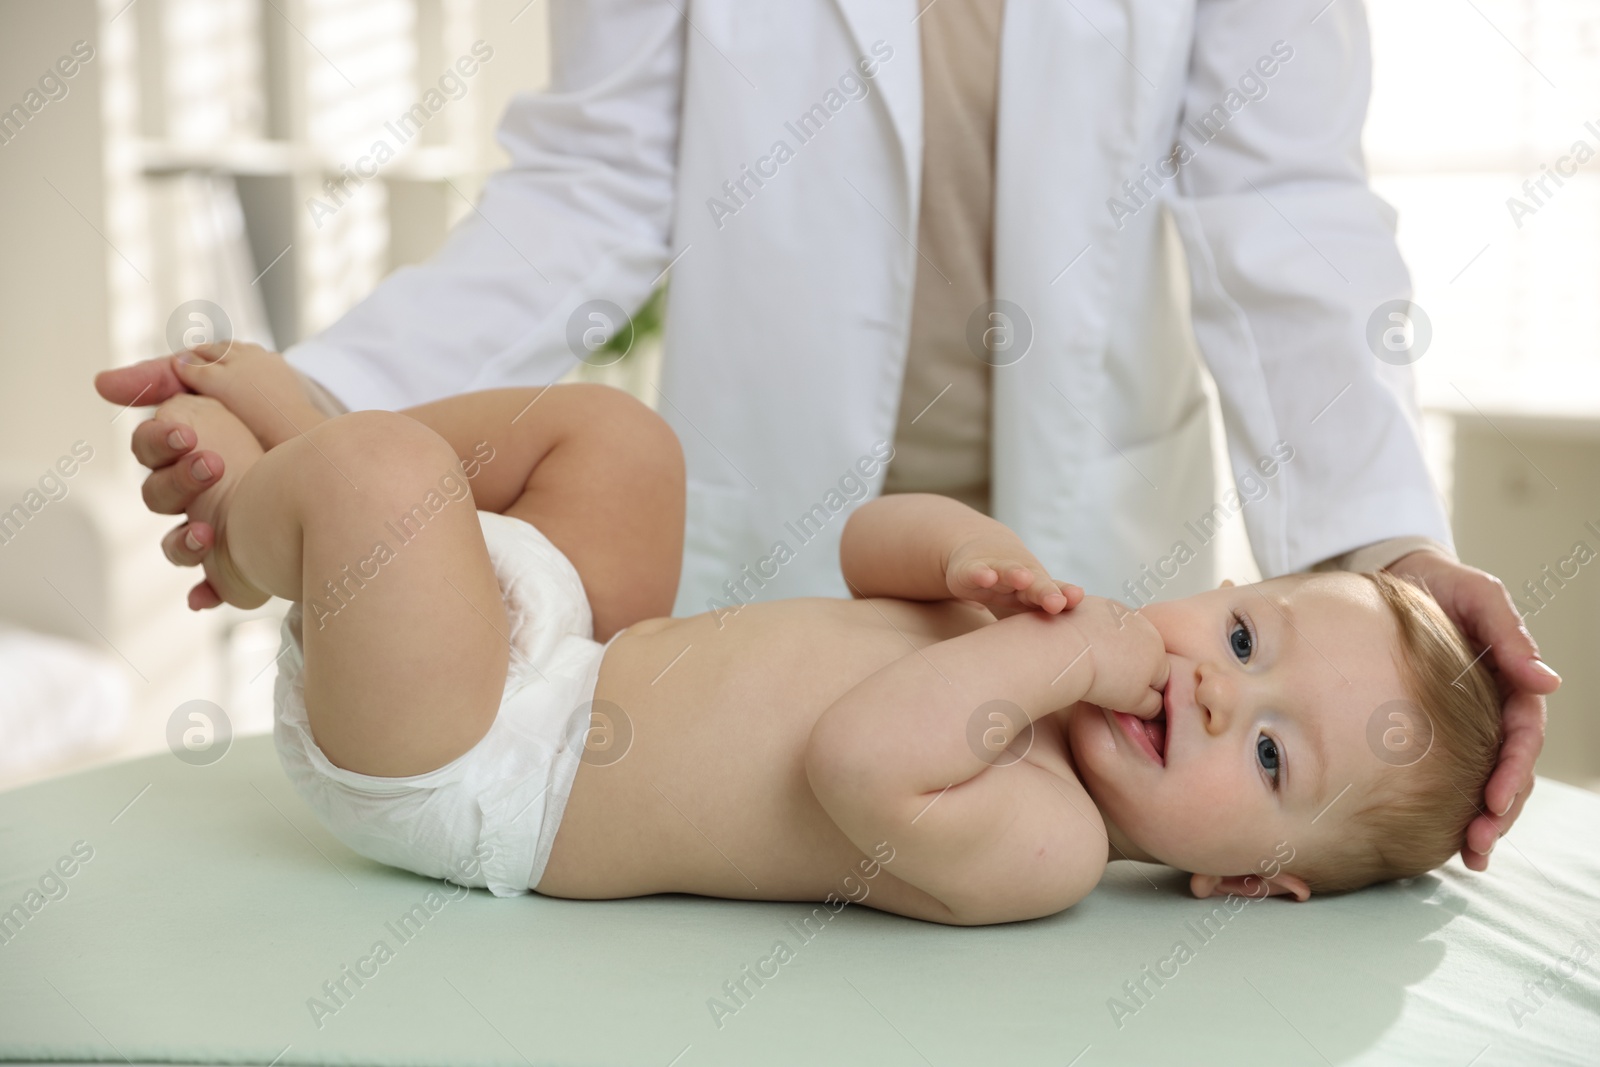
(1249, 885)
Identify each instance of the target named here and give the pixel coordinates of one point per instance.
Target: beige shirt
(941, 442)
(942, 436)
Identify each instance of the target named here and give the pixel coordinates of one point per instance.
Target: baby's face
(1271, 690)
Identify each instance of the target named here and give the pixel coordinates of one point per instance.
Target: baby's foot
(219, 430)
(257, 386)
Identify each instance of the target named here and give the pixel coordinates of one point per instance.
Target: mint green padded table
(214, 908)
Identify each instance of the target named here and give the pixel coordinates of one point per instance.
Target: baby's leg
(408, 673)
(598, 472)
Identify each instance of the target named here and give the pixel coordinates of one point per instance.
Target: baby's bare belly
(711, 797)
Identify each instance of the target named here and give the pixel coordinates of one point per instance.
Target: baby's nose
(1215, 695)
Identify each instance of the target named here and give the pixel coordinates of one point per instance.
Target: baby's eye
(1267, 756)
(1241, 640)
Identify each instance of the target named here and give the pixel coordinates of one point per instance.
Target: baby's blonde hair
(1417, 817)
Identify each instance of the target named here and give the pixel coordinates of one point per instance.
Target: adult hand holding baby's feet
(998, 572)
(220, 431)
(267, 395)
(258, 386)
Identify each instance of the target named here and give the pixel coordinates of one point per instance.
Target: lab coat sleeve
(1290, 254)
(583, 212)
(1376, 557)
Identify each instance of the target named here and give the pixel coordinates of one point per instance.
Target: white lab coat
(787, 320)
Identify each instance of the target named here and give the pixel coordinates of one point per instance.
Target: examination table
(209, 919)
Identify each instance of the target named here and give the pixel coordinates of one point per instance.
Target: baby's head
(1322, 732)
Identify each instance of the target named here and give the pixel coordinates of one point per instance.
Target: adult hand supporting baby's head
(1478, 603)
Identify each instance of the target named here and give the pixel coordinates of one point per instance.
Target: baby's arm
(902, 757)
(922, 546)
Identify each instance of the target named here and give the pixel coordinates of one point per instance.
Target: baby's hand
(1002, 575)
(1128, 655)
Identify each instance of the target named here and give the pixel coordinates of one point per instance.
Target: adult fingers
(1479, 604)
(186, 544)
(1485, 830)
(1485, 611)
(146, 383)
(170, 490)
(159, 442)
(202, 596)
(1522, 724)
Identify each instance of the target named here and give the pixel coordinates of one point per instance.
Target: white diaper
(488, 817)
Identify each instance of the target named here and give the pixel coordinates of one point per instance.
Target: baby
(480, 681)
